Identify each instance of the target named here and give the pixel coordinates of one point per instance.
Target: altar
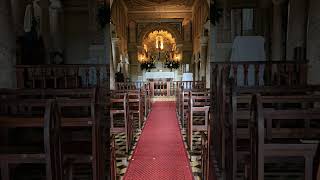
(159, 75)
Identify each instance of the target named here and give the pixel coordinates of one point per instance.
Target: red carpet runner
(160, 152)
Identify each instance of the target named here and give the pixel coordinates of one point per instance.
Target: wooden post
(5, 171)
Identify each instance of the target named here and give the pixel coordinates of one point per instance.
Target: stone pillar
(187, 30)
(7, 47)
(313, 42)
(297, 27)
(203, 56)
(132, 32)
(277, 48)
(45, 28)
(55, 25)
(18, 8)
(196, 70)
(115, 52)
(114, 61)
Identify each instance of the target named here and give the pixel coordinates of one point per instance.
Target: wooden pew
(113, 162)
(199, 105)
(14, 114)
(205, 139)
(136, 106)
(275, 75)
(122, 124)
(86, 116)
(262, 146)
(238, 118)
(185, 98)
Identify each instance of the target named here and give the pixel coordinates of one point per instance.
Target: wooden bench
(262, 146)
(14, 114)
(198, 117)
(122, 123)
(78, 111)
(238, 117)
(113, 162)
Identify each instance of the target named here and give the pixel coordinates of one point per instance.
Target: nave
(160, 152)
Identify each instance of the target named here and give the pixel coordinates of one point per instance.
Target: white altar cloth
(248, 48)
(159, 75)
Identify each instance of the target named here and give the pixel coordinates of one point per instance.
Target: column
(115, 52)
(277, 48)
(297, 26)
(55, 25)
(313, 42)
(18, 8)
(108, 56)
(45, 28)
(203, 56)
(113, 61)
(196, 70)
(132, 32)
(7, 47)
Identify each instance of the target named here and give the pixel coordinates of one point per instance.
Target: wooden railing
(263, 73)
(62, 76)
(161, 88)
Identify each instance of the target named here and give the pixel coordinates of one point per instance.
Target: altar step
(163, 98)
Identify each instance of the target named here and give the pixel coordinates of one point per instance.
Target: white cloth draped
(187, 77)
(248, 48)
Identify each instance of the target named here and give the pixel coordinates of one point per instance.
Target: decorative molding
(146, 29)
(146, 5)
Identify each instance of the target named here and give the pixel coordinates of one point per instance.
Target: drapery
(248, 48)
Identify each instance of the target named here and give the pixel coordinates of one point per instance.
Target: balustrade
(62, 76)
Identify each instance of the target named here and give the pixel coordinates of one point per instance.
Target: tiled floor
(122, 157)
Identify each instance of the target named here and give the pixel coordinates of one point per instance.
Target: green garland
(216, 13)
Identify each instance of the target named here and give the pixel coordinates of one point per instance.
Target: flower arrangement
(172, 64)
(147, 65)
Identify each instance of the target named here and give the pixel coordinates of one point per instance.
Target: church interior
(159, 90)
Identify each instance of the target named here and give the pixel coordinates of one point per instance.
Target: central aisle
(160, 152)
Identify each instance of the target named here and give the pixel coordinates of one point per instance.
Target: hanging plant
(147, 66)
(103, 14)
(216, 13)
